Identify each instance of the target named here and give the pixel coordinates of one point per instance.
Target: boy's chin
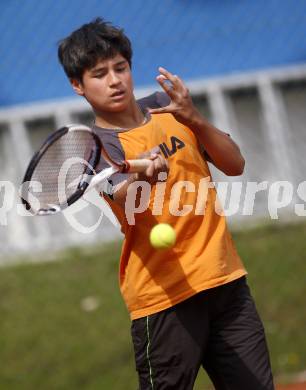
(116, 107)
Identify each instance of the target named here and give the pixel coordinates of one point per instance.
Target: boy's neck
(129, 118)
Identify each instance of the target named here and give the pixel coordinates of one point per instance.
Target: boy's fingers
(161, 110)
(154, 152)
(150, 153)
(161, 164)
(158, 164)
(168, 75)
(163, 82)
(177, 83)
(150, 170)
(181, 82)
(144, 155)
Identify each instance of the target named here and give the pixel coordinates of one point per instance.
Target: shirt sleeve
(156, 100)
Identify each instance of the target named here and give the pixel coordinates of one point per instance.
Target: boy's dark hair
(83, 48)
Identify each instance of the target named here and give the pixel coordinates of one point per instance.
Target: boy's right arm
(158, 164)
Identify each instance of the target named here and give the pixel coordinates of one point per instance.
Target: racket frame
(125, 166)
(88, 172)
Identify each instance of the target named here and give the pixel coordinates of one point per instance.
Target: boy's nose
(113, 79)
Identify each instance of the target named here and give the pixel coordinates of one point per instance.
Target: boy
(190, 305)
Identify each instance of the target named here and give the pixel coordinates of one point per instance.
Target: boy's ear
(77, 86)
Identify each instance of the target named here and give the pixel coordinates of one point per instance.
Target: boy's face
(108, 86)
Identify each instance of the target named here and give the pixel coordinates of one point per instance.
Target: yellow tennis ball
(162, 236)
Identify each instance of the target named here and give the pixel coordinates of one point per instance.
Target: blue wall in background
(192, 38)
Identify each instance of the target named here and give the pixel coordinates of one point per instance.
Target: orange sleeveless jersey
(204, 255)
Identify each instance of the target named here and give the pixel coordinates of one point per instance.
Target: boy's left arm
(223, 151)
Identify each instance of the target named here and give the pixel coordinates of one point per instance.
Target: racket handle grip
(134, 166)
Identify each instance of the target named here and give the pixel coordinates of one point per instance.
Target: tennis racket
(63, 169)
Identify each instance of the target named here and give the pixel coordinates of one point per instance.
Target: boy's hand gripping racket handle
(135, 166)
(128, 166)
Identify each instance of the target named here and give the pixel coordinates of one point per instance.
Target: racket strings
(62, 167)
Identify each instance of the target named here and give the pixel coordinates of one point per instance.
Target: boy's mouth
(118, 94)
